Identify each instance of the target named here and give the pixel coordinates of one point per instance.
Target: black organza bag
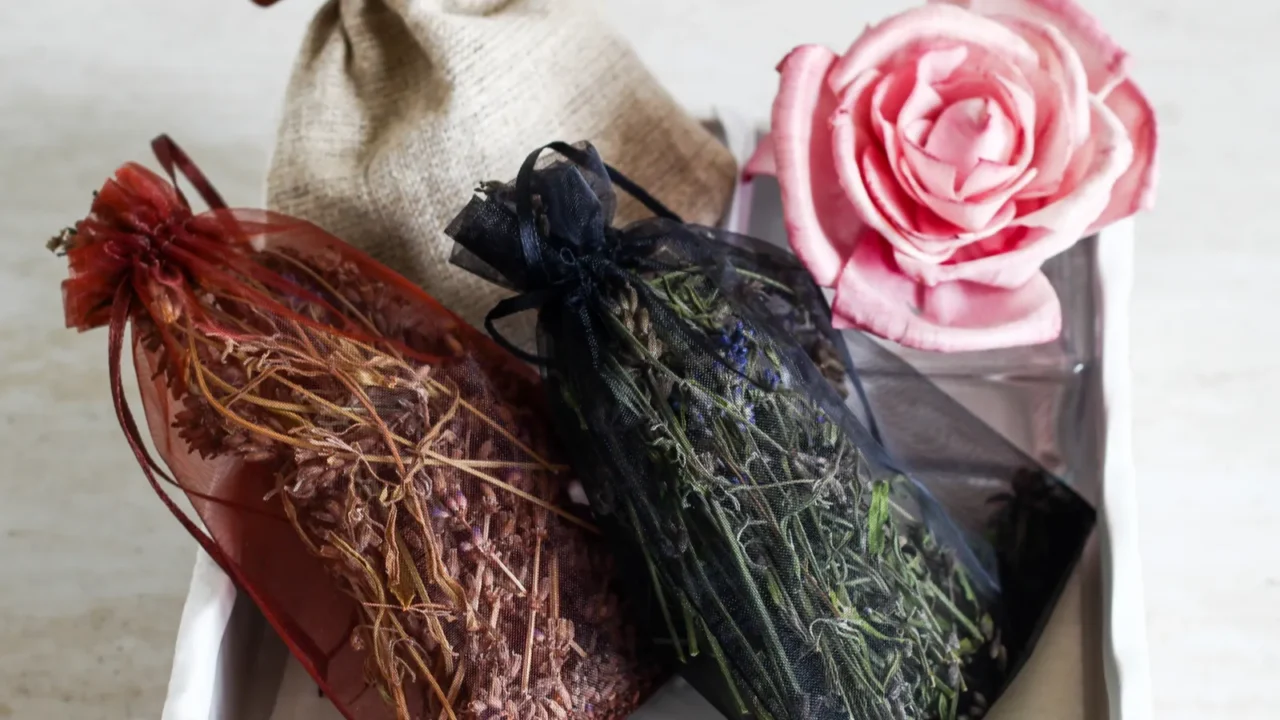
(697, 381)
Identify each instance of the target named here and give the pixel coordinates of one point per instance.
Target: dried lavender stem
(517, 492)
(378, 614)
(247, 425)
(554, 616)
(533, 613)
(317, 279)
(391, 443)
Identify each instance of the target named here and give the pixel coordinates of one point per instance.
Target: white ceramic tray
(1090, 663)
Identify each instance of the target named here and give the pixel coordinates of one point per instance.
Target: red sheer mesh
(375, 473)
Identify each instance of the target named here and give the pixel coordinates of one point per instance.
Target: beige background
(92, 571)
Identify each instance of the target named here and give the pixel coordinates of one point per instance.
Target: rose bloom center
(970, 130)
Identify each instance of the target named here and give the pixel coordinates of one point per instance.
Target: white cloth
(194, 687)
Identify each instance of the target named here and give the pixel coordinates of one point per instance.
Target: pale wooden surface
(92, 571)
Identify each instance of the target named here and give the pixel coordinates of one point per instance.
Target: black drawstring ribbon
(592, 248)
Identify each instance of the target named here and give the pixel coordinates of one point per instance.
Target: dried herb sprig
(802, 565)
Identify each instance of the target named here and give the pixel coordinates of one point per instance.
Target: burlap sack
(397, 109)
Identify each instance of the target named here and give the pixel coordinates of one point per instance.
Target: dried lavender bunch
(702, 417)
(431, 495)
(813, 580)
(408, 453)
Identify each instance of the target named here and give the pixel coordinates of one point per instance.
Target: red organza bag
(373, 472)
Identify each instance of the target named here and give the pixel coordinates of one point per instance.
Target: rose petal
(905, 98)
(936, 177)
(930, 69)
(821, 224)
(763, 161)
(973, 217)
(1056, 226)
(863, 170)
(951, 245)
(937, 237)
(1024, 118)
(1064, 70)
(1017, 102)
(1136, 189)
(1084, 202)
(1056, 140)
(914, 230)
(1062, 99)
(1104, 61)
(917, 131)
(889, 197)
(931, 24)
(887, 98)
(971, 130)
(1012, 189)
(986, 177)
(873, 295)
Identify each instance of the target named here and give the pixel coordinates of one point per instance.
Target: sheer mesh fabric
(376, 474)
(799, 524)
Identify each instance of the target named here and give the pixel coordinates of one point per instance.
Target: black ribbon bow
(576, 248)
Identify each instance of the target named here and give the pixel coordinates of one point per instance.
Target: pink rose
(928, 172)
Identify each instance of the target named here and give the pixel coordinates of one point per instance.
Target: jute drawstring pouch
(397, 108)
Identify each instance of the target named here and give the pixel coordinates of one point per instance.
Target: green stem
(748, 584)
(658, 589)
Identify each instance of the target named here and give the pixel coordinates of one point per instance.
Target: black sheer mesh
(808, 547)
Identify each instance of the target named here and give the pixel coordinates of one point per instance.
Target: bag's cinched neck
(563, 221)
(578, 223)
